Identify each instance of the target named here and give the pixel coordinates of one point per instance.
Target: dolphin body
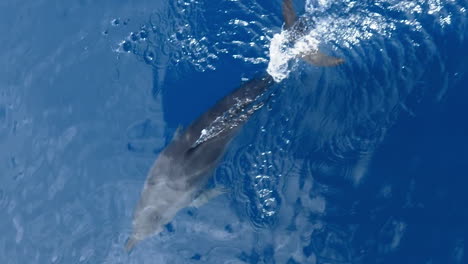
(181, 171)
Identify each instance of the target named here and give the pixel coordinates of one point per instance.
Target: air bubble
(133, 37)
(143, 34)
(127, 46)
(149, 57)
(115, 22)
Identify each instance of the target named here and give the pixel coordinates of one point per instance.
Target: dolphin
(181, 171)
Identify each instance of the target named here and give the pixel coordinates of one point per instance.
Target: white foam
(279, 58)
(282, 51)
(354, 24)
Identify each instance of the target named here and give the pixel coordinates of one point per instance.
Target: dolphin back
(229, 113)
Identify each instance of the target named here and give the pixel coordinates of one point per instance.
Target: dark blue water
(361, 163)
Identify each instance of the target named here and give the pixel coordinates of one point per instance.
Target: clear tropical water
(361, 163)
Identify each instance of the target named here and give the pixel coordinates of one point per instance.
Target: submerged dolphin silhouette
(181, 171)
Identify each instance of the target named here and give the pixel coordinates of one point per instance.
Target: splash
(346, 24)
(282, 52)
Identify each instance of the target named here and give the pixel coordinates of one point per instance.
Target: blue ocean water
(365, 162)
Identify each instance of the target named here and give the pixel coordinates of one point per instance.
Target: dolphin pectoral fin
(178, 132)
(130, 244)
(323, 60)
(289, 14)
(207, 195)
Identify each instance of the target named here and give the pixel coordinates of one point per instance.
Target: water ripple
(348, 24)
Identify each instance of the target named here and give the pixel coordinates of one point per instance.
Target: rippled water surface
(365, 162)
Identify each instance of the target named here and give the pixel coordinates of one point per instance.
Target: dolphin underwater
(178, 176)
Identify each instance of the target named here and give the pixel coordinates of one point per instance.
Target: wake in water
(345, 24)
(334, 25)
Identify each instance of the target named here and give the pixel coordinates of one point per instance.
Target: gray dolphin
(181, 171)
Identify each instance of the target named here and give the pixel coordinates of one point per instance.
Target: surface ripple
(341, 164)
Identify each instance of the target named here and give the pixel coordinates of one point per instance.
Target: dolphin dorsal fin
(289, 14)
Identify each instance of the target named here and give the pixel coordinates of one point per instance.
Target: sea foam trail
(345, 24)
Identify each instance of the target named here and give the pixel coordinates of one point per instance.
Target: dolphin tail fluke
(289, 14)
(323, 60)
(130, 244)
